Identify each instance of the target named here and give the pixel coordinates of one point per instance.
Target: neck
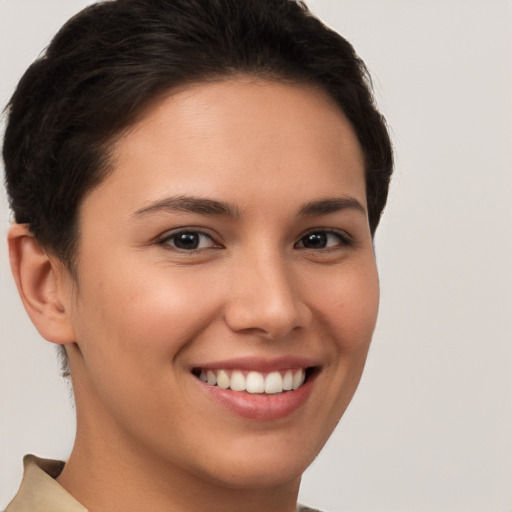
(109, 472)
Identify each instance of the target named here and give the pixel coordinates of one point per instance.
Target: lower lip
(263, 407)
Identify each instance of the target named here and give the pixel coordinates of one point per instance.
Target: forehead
(238, 135)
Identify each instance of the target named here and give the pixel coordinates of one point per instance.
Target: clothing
(40, 492)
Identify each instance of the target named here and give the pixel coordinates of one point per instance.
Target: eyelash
(165, 241)
(344, 240)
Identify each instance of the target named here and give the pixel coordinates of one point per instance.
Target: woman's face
(230, 242)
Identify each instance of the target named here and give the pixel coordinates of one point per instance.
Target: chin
(263, 466)
(255, 475)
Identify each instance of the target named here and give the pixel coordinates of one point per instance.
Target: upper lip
(259, 364)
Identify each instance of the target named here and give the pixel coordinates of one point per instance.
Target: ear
(43, 285)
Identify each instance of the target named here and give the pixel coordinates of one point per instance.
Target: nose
(265, 298)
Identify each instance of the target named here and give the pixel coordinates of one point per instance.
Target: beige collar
(40, 492)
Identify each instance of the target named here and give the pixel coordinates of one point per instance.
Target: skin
(144, 312)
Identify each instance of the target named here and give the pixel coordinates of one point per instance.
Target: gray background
(430, 428)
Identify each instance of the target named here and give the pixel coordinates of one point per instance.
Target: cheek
(131, 329)
(346, 312)
(348, 306)
(144, 315)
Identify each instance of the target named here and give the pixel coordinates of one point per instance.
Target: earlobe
(40, 285)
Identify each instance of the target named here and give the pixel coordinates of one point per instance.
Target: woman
(196, 186)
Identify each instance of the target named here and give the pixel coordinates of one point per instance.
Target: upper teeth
(255, 382)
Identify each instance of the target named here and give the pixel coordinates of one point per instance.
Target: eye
(188, 241)
(323, 239)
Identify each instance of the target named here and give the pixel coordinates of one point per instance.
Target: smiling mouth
(254, 382)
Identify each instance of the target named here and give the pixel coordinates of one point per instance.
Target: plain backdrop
(430, 428)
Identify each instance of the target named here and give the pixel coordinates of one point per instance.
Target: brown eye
(188, 241)
(314, 241)
(323, 240)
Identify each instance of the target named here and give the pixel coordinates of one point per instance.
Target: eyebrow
(331, 205)
(190, 204)
(204, 206)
